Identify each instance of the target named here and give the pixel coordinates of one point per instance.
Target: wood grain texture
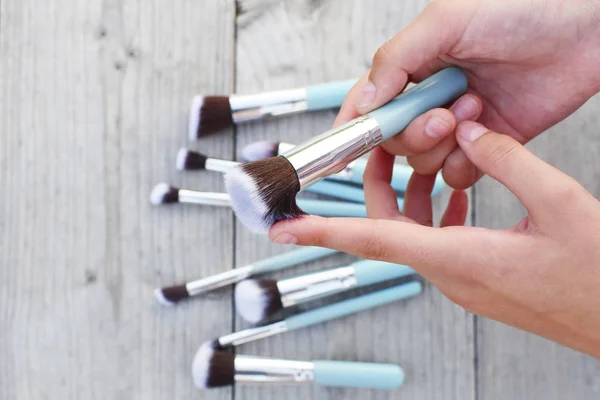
(514, 364)
(93, 107)
(294, 43)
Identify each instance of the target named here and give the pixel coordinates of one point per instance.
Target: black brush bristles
(209, 114)
(263, 192)
(257, 299)
(190, 160)
(163, 194)
(170, 295)
(212, 368)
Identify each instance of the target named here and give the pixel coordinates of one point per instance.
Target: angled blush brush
(170, 295)
(210, 114)
(264, 192)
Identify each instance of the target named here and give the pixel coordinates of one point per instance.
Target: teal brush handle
(368, 272)
(328, 95)
(300, 256)
(435, 91)
(357, 374)
(339, 190)
(326, 208)
(351, 306)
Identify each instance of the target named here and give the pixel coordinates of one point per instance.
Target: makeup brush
(264, 192)
(353, 173)
(193, 160)
(212, 368)
(256, 299)
(166, 194)
(210, 114)
(170, 295)
(320, 314)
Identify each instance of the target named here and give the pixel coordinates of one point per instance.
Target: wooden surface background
(94, 97)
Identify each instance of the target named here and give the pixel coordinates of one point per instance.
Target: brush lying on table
(170, 295)
(189, 160)
(210, 114)
(166, 194)
(264, 192)
(319, 315)
(212, 368)
(353, 173)
(256, 300)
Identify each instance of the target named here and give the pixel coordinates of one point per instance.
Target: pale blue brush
(300, 255)
(368, 272)
(328, 95)
(326, 208)
(357, 374)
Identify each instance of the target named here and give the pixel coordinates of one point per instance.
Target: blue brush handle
(291, 258)
(328, 95)
(326, 208)
(368, 272)
(339, 190)
(351, 306)
(357, 374)
(435, 91)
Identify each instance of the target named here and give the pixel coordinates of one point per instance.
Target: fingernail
(285, 238)
(437, 127)
(472, 131)
(466, 109)
(368, 95)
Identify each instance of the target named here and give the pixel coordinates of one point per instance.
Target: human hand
(530, 64)
(542, 275)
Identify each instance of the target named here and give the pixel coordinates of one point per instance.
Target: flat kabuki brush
(212, 368)
(353, 173)
(166, 194)
(256, 300)
(319, 315)
(210, 114)
(172, 294)
(264, 192)
(192, 160)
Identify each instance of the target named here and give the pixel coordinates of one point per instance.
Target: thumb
(537, 184)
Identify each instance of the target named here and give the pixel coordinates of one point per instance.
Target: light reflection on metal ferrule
(256, 369)
(251, 334)
(217, 165)
(347, 173)
(332, 151)
(205, 198)
(219, 280)
(312, 286)
(269, 104)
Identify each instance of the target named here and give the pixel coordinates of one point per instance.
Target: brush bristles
(209, 114)
(164, 193)
(211, 368)
(260, 150)
(190, 160)
(263, 192)
(256, 299)
(168, 296)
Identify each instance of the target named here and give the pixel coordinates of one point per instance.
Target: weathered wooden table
(93, 105)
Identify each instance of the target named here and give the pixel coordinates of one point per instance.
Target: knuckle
(503, 152)
(383, 55)
(371, 246)
(567, 193)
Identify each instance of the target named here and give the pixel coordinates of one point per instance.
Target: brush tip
(168, 296)
(245, 199)
(162, 300)
(260, 150)
(212, 368)
(209, 114)
(256, 299)
(190, 160)
(164, 193)
(194, 121)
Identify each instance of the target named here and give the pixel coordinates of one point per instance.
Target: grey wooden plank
(514, 364)
(93, 107)
(302, 42)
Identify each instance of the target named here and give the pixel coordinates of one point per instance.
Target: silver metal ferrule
(269, 104)
(217, 165)
(332, 151)
(219, 280)
(205, 198)
(252, 334)
(257, 369)
(308, 287)
(346, 174)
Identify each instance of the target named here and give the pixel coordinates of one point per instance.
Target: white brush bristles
(159, 192)
(260, 150)
(246, 200)
(162, 299)
(251, 301)
(194, 121)
(201, 365)
(182, 155)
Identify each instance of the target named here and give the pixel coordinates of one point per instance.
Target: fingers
(456, 212)
(458, 171)
(417, 200)
(380, 197)
(348, 109)
(432, 34)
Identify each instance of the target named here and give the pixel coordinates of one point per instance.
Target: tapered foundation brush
(210, 114)
(353, 173)
(192, 160)
(257, 299)
(170, 295)
(212, 369)
(264, 192)
(319, 315)
(166, 194)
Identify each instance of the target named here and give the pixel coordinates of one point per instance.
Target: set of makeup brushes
(263, 190)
